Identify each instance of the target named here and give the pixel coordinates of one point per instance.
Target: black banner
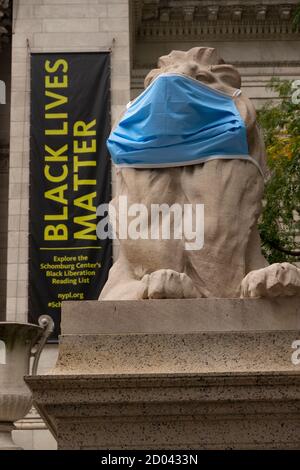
(69, 179)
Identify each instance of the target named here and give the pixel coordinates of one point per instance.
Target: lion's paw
(169, 284)
(278, 279)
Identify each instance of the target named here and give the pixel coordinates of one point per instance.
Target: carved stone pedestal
(175, 374)
(6, 442)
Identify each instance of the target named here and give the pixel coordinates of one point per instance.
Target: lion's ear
(228, 75)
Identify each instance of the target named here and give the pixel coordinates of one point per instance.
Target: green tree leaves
(280, 222)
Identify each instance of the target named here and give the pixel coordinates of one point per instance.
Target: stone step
(179, 336)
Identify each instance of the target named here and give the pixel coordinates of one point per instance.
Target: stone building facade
(257, 37)
(5, 62)
(38, 26)
(52, 26)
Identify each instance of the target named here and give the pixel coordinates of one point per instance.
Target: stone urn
(20, 347)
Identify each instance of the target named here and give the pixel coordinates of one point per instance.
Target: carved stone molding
(32, 422)
(190, 19)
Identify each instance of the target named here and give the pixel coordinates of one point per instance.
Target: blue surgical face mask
(178, 121)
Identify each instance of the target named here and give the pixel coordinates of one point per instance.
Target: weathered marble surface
(173, 316)
(202, 411)
(191, 374)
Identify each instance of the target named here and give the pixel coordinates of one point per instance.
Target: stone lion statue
(230, 263)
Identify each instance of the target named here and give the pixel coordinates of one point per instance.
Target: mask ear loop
(237, 92)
